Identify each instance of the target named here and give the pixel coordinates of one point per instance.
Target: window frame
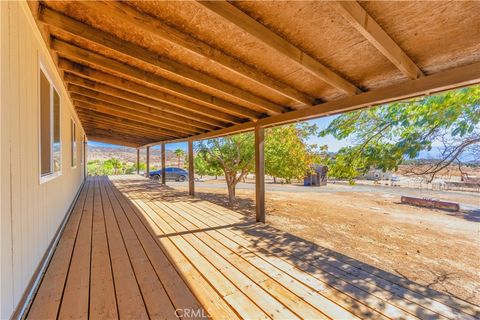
(82, 148)
(52, 174)
(73, 143)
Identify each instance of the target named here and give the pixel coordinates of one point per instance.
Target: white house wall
(31, 212)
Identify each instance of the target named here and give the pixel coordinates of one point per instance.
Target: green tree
(287, 154)
(107, 169)
(113, 164)
(384, 137)
(93, 167)
(205, 167)
(131, 168)
(235, 155)
(180, 154)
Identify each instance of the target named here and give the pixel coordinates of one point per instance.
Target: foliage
(385, 136)
(287, 154)
(180, 154)
(203, 166)
(111, 166)
(235, 156)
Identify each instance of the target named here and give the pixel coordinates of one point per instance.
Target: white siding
(30, 212)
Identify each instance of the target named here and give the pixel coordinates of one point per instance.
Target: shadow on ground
(366, 287)
(470, 215)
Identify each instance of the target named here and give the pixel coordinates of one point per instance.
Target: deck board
(129, 298)
(49, 295)
(75, 301)
(135, 249)
(104, 306)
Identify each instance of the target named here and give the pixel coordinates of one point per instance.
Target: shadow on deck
(196, 253)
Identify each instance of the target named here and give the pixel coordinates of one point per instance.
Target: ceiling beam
(113, 137)
(95, 118)
(113, 141)
(239, 18)
(353, 12)
(109, 41)
(99, 87)
(133, 87)
(125, 13)
(139, 108)
(118, 111)
(88, 119)
(75, 53)
(467, 75)
(118, 133)
(35, 8)
(90, 124)
(107, 114)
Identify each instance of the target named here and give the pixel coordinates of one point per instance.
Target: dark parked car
(176, 174)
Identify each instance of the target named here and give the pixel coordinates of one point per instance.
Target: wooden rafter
(112, 134)
(113, 109)
(112, 91)
(101, 125)
(123, 12)
(130, 141)
(90, 126)
(116, 82)
(121, 129)
(114, 141)
(230, 13)
(141, 109)
(446, 80)
(91, 129)
(124, 84)
(78, 54)
(99, 37)
(122, 118)
(353, 12)
(99, 118)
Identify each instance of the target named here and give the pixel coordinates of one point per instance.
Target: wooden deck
(135, 249)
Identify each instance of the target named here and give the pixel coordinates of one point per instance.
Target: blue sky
(333, 144)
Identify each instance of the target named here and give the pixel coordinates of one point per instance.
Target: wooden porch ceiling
(168, 71)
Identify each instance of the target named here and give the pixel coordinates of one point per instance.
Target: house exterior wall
(31, 211)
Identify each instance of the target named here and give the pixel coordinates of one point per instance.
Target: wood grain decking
(135, 249)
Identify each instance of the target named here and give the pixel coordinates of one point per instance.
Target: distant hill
(129, 155)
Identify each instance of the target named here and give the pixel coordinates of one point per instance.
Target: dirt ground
(434, 248)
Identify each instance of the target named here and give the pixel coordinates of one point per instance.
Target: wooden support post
(260, 173)
(138, 161)
(191, 173)
(163, 164)
(147, 170)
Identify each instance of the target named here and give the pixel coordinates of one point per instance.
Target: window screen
(57, 146)
(50, 140)
(82, 147)
(45, 126)
(73, 132)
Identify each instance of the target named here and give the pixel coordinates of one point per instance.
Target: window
(50, 142)
(73, 140)
(82, 148)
